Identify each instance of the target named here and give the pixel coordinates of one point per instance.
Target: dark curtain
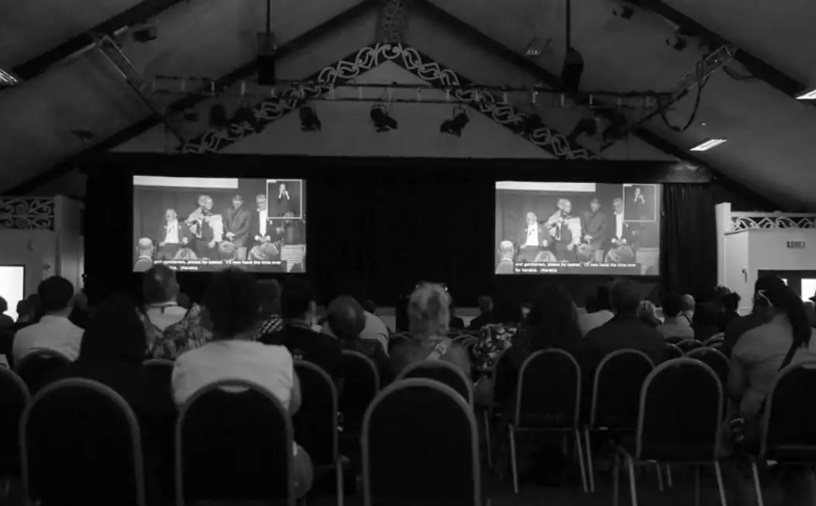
(689, 239)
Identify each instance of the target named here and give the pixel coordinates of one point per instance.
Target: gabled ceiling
(772, 137)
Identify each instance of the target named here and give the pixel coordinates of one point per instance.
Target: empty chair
(548, 399)
(686, 345)
(315, 423)
(673, 351)
(420, 445)
(35, 367)
(616, 397)
(679, 421)
(81, 444)
(443, 372)
(360, 386)
(234, 442)
(715, 359)
(13, 400)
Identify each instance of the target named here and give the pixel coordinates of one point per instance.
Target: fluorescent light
(710, 143)
(810, 95)
(7, 80)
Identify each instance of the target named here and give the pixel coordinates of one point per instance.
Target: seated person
(172, 235)
(730, 305)
(647, 312)
(704, 321)
(672, 327)
(299, 308)
(429, 317)
(269, 290)
(233, 304)
(485, 313)
(346, 321)
(496, 337)
(687, 307)
(54, 330)
(170, 328)
(533, 242)
(598, 314)
(145, 260)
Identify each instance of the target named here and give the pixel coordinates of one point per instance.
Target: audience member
(29, 312)
(599, 314)
(625, 330)
(54, 331)
(80, 313)
(687, 307)
(298, 307)
(810, 311)
(6, 321)
(552, 323)
(429, 317)
(369, 306)
(485, 313)
(705, 321)
(759, 313)
(647, 312)
(375, 330)
(730, 305)
(672, 327)
(346, 321)
(456, 323)
(171, 330)
(233, 303)
(269, 291)
(496, 337)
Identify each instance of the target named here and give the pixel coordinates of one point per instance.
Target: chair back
(549, 391)
(35, 367)
(234, 442)
(680, 412)
(686, 345)
(14, 398)
(715, 359)
(716, 338)
(789, 434)
(420, 443)
(315, 423)
(360, 385)
(616, 389)
(673, 351)
(81, 444)
(443, 372)
(674, 339)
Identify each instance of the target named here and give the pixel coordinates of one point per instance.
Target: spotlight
(457, 124)
(573, 68)
(588, 126)
(309, 122)
(218, 117)
(245, 116)
(678, 42)
(382, 121)
(145, 33)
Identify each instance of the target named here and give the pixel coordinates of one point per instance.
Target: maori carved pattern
(344, 71)
(27, 214)
(393, 20)
(739, 223)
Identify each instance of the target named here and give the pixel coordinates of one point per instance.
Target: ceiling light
(710, 143)
(457, 124)
(382, 121)
(573, 69)
(810, 95)
(7, 80)
(309, 122)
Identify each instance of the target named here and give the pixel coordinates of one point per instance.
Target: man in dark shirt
(485, 314)
(625, 330)
(298, 308)
(759, 314)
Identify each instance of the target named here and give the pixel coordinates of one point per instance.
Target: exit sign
(796, 244)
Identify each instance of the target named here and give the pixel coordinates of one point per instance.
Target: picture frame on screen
(209, 224)
(577, 228)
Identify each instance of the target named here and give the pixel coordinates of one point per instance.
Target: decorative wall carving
(741, 222)
(393, 21)
(27, 213)
(345, 70)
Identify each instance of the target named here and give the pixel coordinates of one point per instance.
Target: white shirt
(164, 315)
(269, 366)
(172, 236)
(619, 225)
(676, 327)
(375, 329)
(532, 236)
(55, 333)
(594, 320)
(262, 219)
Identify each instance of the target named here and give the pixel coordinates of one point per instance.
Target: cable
(701, 82)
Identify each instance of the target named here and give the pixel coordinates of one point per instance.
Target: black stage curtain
(689, 239)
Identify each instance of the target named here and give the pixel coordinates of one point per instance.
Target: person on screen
(565, 230)
(145, 260)
(205, 228)
(622, 242)
(236, 226)
(259, 227)
(595, 224)
(506, 253)
(171, 237)
(284, 202)
(533, 241)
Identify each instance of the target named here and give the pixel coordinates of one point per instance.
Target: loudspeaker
(267, 49)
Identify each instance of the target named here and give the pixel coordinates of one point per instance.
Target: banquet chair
(14, 398)
(548, 399)
(81, 444)
(615, 398)
(678, 422)
(674, 339)
(503, 377)
(673, 351)
(715, 339)
(35, 367)
(234, 442)
(361, 384)
(686, 345)
(788, 435)
(715, 359)
(420, 444)
(315, 423)
(443, 372)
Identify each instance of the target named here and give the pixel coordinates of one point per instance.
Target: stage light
(145, 33)
(709, 144)
(309, 122)
(382, 121)
(7, 80)
(218, 117)
(457, 124)
(810, 95)
(588, 126)
(573, 69)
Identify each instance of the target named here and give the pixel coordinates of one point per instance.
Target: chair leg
(615, 478)
(669, 476)
(659, 477)
(513, 458)
(579, 450)
(488, 443)
(720, 486)
(630, 464)
(757, 485)
(340, 490)
(696, 485)
(589, 463)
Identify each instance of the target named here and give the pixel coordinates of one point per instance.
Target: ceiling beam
(191, 100)
(139, 13)
(755, 65)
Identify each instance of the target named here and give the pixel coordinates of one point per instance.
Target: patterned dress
(189, 333)
(493, 340)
